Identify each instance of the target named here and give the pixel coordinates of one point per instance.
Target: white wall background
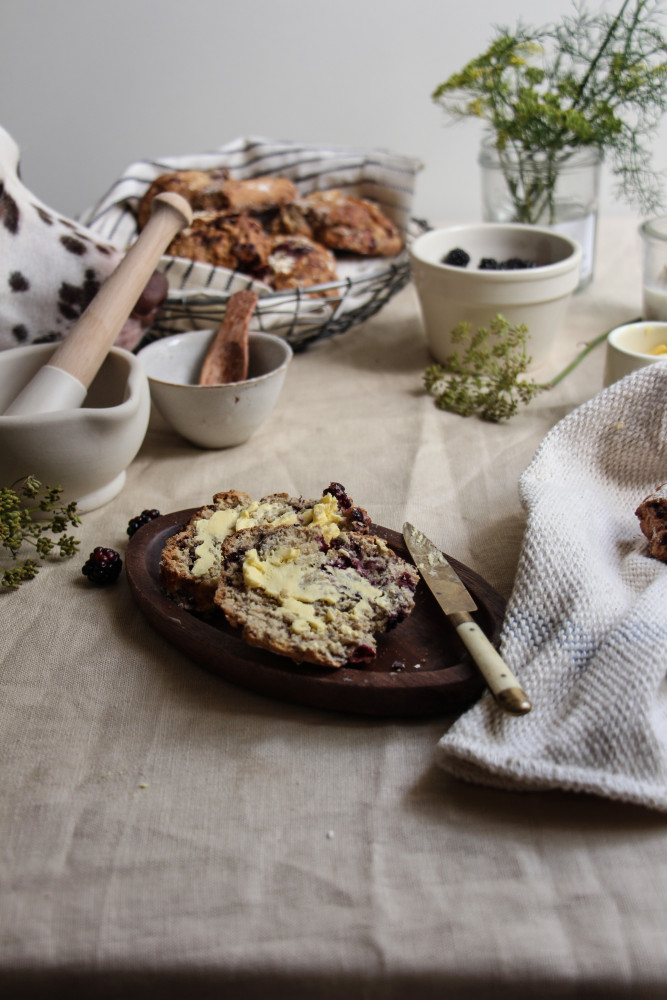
(89, 86)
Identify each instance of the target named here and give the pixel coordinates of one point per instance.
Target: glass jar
(561, 193)
(654, 268)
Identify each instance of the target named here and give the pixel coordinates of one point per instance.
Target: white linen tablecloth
(164, 833)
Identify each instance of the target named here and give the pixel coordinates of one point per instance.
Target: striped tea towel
(386, 178)
(586, 625)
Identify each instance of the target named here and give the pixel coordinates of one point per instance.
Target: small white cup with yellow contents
(634, 346)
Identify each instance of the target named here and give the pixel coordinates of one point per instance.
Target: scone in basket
(198, 292)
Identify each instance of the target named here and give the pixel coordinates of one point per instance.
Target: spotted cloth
(586, 625)
(52, 267)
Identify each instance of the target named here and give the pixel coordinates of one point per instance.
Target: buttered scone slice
(191, 559)
(323, 604)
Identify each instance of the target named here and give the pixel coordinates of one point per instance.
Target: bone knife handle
(501, 681)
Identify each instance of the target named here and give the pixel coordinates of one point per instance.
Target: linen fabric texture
(586, 624)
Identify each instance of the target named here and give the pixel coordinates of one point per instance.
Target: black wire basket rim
(395, 265)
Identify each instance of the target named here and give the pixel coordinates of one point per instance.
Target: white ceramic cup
(629, 347)
(536, 297)
(214, 416)
(654, 268)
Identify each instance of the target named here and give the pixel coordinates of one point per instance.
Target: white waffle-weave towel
(586, 624)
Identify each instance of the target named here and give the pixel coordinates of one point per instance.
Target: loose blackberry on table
(103, 566)
(138, 522)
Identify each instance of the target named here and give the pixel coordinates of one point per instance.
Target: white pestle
(62, 384)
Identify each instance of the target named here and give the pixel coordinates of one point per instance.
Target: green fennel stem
(486, 374)
(590, 346)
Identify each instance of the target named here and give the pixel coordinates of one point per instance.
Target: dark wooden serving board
(421, 667)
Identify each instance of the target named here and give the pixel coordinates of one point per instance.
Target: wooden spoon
(227, 357)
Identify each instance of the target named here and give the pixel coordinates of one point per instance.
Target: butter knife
(457, 603)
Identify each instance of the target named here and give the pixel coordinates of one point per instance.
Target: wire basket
(300, 316)
(198, 293)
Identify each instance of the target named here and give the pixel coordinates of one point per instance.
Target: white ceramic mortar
(86, 450)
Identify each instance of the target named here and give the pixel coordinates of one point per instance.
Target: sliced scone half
(324, 603)
(191, 559)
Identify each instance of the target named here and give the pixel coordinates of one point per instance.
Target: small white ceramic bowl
(537, 296)
(86, 450)
(214, 416)
(629, 348)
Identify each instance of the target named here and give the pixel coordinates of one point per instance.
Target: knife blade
(457, 603)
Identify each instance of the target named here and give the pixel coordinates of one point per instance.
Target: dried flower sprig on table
(486, 378)
(18, 527)
(596, 80)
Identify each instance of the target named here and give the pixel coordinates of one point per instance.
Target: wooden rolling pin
(62, 384)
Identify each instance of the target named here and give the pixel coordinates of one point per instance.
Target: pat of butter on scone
(281, 577)
(325, 516)
(297, 589)
(211, 531)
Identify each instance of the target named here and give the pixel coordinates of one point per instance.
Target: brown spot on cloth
(73, 299)
(9, 211)
(18, 282)
(44, 215)
(21, 332)
(73, 245)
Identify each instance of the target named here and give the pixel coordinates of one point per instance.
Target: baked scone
(191, 559)
(233, 240)
(342, 223)
(652, 514)
(314, 603)
(298, 262)
(258, 194)
(214, 190)
(203, 189)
